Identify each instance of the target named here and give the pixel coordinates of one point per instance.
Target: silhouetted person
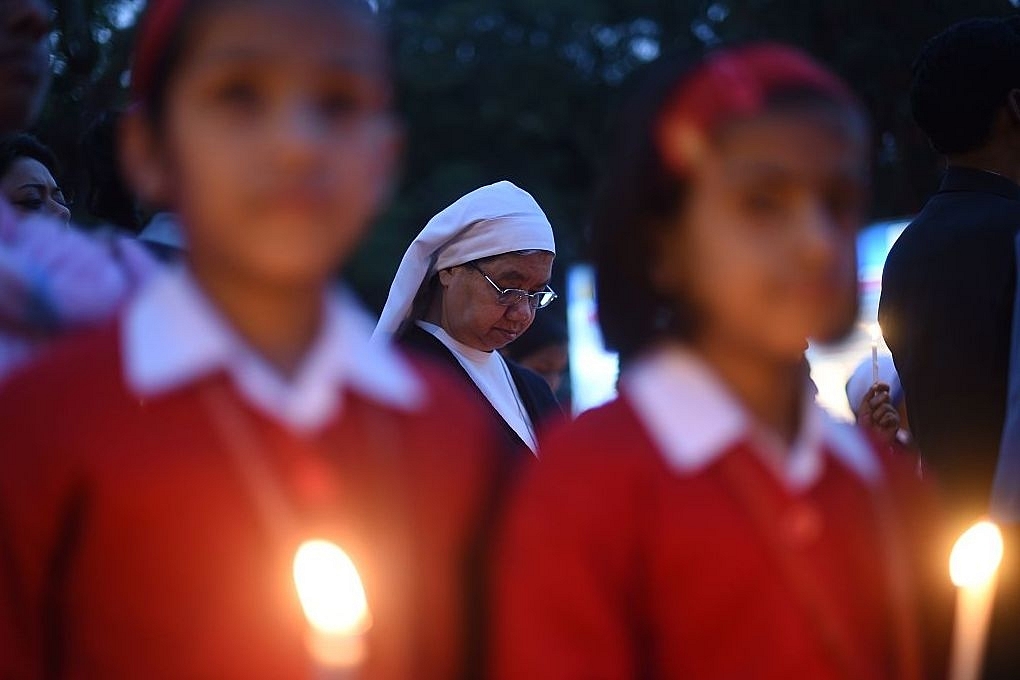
(948, 288)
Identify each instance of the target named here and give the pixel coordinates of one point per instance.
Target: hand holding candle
(973, 567)
(334, 603)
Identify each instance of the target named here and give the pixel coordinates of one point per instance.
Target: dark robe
(539, 402)
(946, 314)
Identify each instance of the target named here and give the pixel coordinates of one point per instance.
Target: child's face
(765, 247)
(277, 145)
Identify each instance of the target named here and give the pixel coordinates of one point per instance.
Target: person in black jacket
(469, 284)
(948, 287)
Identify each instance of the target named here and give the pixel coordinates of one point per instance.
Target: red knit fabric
(157, 27)
(738, 83)
(170, 571)
(613, 565)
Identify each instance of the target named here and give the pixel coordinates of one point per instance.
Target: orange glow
(976, 555)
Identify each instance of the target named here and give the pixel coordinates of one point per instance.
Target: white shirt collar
(164, 229)
(173, 335)
(694, 419)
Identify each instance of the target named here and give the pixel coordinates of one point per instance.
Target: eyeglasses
(508, 297)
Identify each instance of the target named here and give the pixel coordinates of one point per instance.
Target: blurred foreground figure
(713, 522)
(158, 475)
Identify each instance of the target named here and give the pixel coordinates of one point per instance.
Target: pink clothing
(54, 279)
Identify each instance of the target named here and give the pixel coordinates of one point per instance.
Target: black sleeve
(947, 319)
(539, 400)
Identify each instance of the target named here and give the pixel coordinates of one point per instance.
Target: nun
(471, 283)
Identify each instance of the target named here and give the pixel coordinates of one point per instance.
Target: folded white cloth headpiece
(492, 220)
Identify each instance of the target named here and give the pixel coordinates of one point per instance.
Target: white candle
(876, 335)
(334, 603)
(973, 567)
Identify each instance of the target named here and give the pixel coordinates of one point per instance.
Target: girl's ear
(142, 161)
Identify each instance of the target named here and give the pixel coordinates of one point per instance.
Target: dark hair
(24, 145)
(545, 331)
(633, 205)
(109, 197)
(165, 57)
(961, 79)
(641, 195)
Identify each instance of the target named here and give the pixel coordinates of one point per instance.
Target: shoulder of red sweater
(444, 391)
(70, 369)
(606, 437)
(436, 376)
(598, 475)
(899, 463)
(50, 402)
(899, 474)
(449, 412)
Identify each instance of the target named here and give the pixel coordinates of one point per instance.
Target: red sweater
(613, 565)
(132, 549)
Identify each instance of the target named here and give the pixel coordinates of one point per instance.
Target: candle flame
(330, 589)
(976, 555)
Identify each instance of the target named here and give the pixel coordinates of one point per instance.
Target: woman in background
(469, 284)
(158, 474)
(27, 169)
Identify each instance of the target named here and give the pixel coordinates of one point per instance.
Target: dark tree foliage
(91, 52)
(521, 89)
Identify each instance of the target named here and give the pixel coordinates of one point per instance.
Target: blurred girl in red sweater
(713, 522)
(158, 475)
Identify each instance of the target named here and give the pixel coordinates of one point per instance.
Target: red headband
(737, 82)
(157, 27)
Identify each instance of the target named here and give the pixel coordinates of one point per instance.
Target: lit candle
(334, 603)
(973, 567)
(876, 336)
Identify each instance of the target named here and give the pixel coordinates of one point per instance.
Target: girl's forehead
(325, 33)
(816, 141)
(806, 123)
